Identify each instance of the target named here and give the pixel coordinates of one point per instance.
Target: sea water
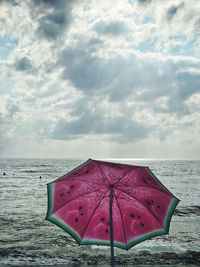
(26, 238)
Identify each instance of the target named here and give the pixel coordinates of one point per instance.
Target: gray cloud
(23, 64)
(94, 42)
(89, 117)
(173, 10)
(197, 26)
(177, 106)
(122, 130)
(188, 83)
(174, 82)
(144, 1)
(113, 28)
(52, 25)
(10, 2)
(51, 3)
(86, 71)
(53, 17)
(145, 79)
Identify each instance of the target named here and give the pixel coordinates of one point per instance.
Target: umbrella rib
(122, 220)
(142, 205)
(92, 215)
(101, 171)
(137, 186)
(123, 175)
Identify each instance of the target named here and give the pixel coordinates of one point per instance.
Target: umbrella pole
(111, 229)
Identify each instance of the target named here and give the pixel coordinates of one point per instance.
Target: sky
(100, 79)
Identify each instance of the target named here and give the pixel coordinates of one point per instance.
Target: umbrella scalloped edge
(127, 246)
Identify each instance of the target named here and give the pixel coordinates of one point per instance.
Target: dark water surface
(27, 239)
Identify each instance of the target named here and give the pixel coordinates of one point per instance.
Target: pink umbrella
(105, 203)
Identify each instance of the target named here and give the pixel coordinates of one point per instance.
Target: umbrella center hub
(111, 185)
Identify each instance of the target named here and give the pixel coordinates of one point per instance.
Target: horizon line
(98, 158)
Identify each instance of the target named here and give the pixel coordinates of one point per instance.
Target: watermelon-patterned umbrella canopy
(108, 203)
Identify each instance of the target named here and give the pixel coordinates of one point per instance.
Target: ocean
(27, 239)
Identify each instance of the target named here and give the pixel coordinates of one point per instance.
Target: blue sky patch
(7, 44)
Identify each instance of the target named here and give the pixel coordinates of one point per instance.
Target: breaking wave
(187, 211)
(18, 258)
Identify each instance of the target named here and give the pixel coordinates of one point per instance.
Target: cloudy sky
(112, 79)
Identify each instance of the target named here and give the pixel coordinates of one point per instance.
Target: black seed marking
(81, 213)
(76, 220)
(144, 181)
(149, 179)
(132, 215)
(142, 224)
(61, 195)
(68, 192)
(86, 171)
(72, 186)
(75, 173)
(148, 203)
(139, 217)
(80, 207)
(158, 206)
(108, 223)
(102, 219)
(152, 201)
(106, 231)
